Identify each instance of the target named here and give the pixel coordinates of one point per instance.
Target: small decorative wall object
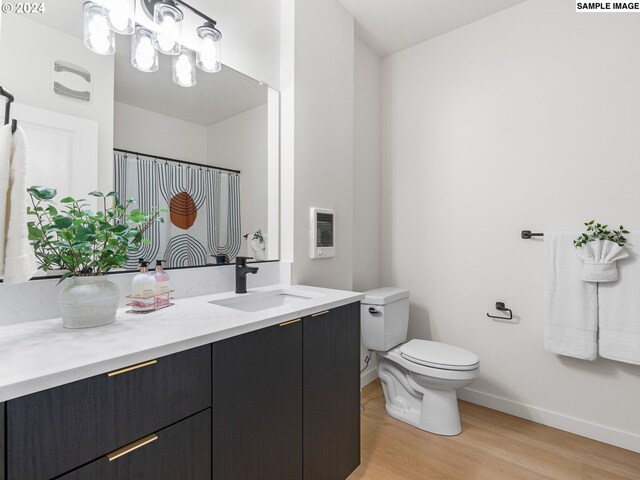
(258, 245)
(600, 249)
(72, 82)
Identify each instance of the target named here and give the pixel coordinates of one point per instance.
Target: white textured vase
(88, 302)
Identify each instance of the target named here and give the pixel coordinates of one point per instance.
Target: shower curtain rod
(157, 157)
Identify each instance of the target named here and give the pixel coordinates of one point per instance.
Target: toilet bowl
(422, 392)
(419, 377)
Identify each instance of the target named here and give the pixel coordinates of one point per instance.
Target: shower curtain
(203, 205)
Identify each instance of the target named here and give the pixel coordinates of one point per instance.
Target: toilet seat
(438, 355)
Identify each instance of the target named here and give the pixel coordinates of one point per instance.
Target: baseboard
(368, 376)
(612, 436)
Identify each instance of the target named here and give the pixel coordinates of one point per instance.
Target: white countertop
(42, 354)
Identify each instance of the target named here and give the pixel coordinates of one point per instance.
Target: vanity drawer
(54, 431)
(181, 451)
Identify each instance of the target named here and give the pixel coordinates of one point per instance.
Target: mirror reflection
(207, 153)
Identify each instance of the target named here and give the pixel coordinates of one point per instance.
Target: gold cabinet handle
(131, 368)
(131, 447)
(290, 322)
(319, 313)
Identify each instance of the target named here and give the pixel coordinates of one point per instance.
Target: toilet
(419, 377)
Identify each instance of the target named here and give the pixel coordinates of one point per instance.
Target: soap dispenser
(163, 288)
(143, 290)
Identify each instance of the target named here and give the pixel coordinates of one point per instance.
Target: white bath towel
(600, 259)
(619, 320)
(5, 162)
(19, 259)
(570, 305)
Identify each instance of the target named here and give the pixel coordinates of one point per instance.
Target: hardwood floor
(492, 446)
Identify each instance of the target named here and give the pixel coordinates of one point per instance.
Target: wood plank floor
(492, 446)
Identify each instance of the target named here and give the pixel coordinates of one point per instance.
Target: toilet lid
(439, 355)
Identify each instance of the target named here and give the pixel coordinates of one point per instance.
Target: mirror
(208, 154)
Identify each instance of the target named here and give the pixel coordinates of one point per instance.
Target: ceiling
(215, 97)
(390, 26)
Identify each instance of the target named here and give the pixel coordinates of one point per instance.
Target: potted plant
(87, 246)
(600, 249)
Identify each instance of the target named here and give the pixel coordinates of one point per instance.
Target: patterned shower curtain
(203, 205)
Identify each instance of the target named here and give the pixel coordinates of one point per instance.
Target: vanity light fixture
(98, 37)
(143, 56)
(104, 18)
(209, 53)
(168, 19)
(122, 14)
(184, 68)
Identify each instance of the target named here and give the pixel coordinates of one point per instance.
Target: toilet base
(446, 425)
(424, 402)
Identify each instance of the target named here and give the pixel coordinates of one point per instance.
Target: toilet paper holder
(501, 306)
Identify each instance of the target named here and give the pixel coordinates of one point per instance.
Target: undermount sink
(262, 301)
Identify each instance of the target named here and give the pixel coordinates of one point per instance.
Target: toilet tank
(384, 318)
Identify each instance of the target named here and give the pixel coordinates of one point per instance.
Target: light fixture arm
(147, 6)
(196, 11)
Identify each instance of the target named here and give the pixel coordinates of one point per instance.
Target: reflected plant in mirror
(70, 237)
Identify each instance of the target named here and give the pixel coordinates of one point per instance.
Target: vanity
(257, 386)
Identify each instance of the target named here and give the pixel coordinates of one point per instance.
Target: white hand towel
(5, 162)
(619, 332)
(570, 305)
(600, 259)
(19, 262)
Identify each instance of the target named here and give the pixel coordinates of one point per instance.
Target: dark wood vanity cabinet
(287, 400)
(52, 432)
(181, 451)
(280, 403)
(257, 413)
(331, 393)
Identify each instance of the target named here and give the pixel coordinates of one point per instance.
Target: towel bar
(527, 234)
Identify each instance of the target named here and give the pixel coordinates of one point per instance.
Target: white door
(62, 150)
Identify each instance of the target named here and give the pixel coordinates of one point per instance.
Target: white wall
(318, 136)
(366, 179)
(27, 53)
(366, 168)
(149, 132)
(228, 146)
(526, 119)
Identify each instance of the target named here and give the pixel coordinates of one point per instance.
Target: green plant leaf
(34, 233)
(42, 193)
(63, 222)
(95, 193)
(67, 200)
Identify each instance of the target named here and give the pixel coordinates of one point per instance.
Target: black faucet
(241, 273)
